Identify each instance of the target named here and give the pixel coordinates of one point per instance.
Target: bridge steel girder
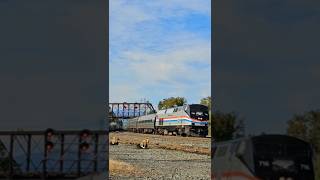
(129, 110)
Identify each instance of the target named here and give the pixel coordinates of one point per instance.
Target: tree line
(306, 126)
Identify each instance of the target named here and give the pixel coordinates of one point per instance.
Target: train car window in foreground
(222, 151)
(244, 151)
(267, 157)
(276, 156)
(234, 147)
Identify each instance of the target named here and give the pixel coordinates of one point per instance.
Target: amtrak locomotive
(265, 157)
(188, 120)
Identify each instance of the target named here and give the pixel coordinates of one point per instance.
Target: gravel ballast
(156, 163)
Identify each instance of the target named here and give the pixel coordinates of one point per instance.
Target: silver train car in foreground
(266, 157)
(189, 120)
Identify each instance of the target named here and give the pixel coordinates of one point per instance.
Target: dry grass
(197, 150)
(119, 167)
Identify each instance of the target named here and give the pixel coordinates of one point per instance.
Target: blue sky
(159, 49)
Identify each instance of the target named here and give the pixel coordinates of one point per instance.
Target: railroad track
(193, 135)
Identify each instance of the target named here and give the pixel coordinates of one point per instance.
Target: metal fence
(51, 153)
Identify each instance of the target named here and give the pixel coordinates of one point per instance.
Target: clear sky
(159, 49)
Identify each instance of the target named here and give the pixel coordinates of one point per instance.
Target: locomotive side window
(177, 109)
(169, 111)
(161, 112)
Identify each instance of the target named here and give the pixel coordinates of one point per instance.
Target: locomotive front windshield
(283, 159)
(199, 112)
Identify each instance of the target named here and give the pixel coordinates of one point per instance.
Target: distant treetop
(171, 102)
(206, 101)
